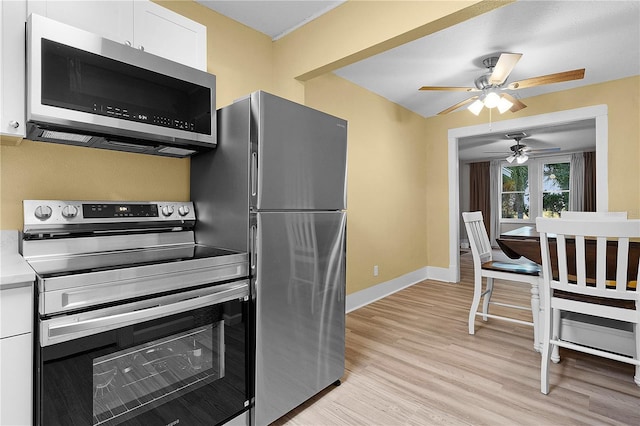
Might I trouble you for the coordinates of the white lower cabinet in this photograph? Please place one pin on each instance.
(16, 353)
(16, 334)
(16, 383)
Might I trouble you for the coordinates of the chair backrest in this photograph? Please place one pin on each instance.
(478, 237)
(593, 215)
(583, 237)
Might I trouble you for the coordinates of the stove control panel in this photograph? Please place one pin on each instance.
(47, 214)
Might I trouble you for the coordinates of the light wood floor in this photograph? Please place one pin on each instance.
(411, 361)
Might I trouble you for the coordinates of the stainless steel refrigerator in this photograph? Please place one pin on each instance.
(275, 187)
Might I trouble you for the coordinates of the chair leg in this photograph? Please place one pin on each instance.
(535, 313)
(487, 298)
(555, 355)
(477, 291)
(636, 332)
(544, 362)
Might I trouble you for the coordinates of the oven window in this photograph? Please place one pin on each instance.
(187, 368)
(130, 379)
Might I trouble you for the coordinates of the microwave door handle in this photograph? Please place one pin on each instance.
(64, 332)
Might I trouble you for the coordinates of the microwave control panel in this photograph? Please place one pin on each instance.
(157, 120)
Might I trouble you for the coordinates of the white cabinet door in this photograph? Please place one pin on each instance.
(16, 366)
(165, 33)
(141, 24)
(110, 19)
(16, 311)
(13, 15)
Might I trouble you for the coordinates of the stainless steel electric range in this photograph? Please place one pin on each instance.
(136, 322)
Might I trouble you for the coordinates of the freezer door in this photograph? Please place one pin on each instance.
(300, 308)
(301, 156)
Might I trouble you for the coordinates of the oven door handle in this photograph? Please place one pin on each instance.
(71, 327)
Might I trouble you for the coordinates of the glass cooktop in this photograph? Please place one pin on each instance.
(61, 265)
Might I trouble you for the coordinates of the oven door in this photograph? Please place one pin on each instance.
(175, 359)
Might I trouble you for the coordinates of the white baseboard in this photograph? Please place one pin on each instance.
(369, 295)
(447, 275)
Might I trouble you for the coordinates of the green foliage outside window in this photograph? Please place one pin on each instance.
(555, 192)
(515, 192)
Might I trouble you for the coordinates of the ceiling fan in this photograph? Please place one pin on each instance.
(520, 152)
(494, 81)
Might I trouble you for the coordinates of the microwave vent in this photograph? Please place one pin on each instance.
(70, 137)
(124, 145)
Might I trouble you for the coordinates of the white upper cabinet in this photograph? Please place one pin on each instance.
(140, 24)
(165, 33)
(12, 102)
(110, 19)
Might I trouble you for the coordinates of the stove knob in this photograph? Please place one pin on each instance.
(69, 211)
(43, 212)
(183, 210)
(167, 210)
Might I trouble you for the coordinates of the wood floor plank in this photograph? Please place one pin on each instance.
(410, 361)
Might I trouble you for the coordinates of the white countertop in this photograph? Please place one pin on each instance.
(14, 270)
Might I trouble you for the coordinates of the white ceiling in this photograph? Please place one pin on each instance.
(273, 18)
(554, 36)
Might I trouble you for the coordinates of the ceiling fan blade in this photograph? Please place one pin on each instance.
(458, 105)
(451, 89)
(541, 150)
(503, 67)
(517, 105)
(548, 79)
(526, 150)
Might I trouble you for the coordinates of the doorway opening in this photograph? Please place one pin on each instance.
(597, 113)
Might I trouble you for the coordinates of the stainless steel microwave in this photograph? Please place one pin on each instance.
(86, 90)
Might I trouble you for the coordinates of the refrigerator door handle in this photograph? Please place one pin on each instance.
(253, 235)
(254, 174)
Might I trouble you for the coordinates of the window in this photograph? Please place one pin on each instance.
(515, 192)
(555, 188)
(538, 188)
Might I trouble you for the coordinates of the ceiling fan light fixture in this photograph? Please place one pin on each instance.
(476, 107)
(504, 105)
(491, 100)
(522, 158)
(511, 158)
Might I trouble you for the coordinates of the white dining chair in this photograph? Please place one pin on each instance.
(590, 216)
(593, 215)
(513, 272)
(596, 296)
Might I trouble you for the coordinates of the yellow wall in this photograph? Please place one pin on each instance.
(397, 165)
(386, 197)
(621, 97)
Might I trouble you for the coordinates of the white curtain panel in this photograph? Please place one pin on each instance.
(495, 174)
(576, 183)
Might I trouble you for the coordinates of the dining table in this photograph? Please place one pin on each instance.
(525, 242)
